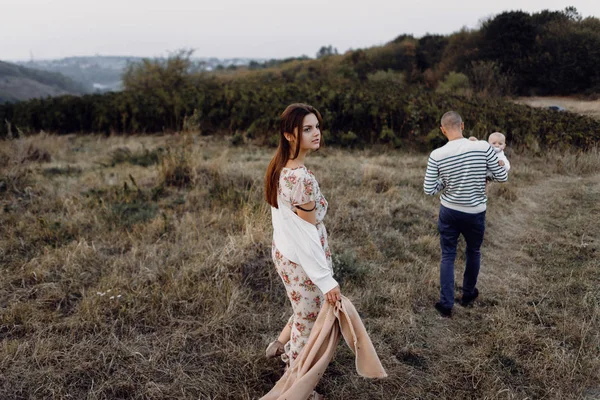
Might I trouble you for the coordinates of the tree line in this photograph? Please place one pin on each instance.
(392, 94)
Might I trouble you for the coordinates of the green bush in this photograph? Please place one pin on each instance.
(488, 80)
(454, 83)
(389, 76)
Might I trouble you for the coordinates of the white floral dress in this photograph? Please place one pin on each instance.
(299, 186)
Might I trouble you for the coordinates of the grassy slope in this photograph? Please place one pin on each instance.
(200, 298)
(19, 83)
(18, 88)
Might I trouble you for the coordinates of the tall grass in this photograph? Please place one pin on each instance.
(155, 280)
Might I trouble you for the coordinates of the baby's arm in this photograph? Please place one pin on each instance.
(503, 161)
(506, 165)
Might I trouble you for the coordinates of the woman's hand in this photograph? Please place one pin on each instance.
(333, 295)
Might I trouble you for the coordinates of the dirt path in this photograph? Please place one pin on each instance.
(536, 317)
(590, 108)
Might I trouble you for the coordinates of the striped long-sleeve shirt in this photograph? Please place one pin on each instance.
(459, 169)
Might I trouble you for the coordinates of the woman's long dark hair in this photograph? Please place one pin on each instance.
(291, 118)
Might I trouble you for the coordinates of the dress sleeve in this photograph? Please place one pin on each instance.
(303, 190)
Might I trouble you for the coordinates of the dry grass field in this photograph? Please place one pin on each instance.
(139, 267)
(589, 108)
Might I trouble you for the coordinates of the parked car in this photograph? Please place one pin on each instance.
(556, 108)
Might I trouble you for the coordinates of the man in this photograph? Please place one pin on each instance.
(459, 169)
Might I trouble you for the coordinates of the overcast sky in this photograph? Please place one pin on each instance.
(235, 28)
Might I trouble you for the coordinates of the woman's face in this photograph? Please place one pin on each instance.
(311, 133)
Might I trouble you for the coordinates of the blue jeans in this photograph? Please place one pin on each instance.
(451, 224)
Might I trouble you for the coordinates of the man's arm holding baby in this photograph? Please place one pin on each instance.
(495, 171)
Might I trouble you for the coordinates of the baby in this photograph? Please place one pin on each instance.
(498, 142)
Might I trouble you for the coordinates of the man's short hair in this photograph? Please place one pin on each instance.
(451, 120)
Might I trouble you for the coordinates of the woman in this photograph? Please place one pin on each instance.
(300, 250)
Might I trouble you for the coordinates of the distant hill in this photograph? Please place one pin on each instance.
(103, 73)
(96, 74)
(19, 83)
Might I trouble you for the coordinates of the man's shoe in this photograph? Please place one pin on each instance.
(469, 299)
(444, 312)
